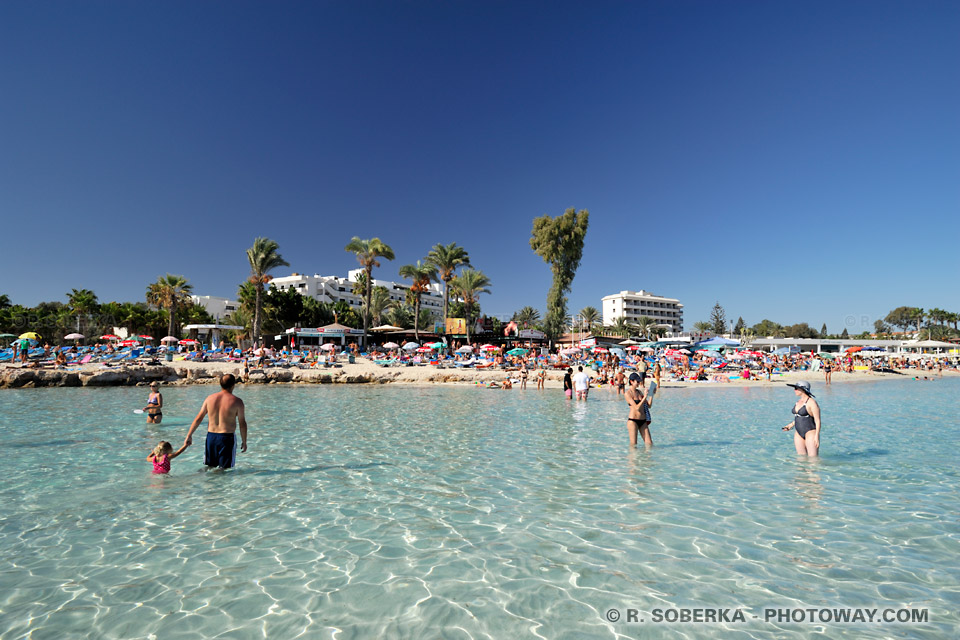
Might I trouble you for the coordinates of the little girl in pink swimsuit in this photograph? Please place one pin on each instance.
(161, 456)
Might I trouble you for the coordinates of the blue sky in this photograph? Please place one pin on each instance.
(791, 160)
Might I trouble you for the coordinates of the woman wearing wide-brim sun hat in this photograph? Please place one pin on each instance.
(806, 420)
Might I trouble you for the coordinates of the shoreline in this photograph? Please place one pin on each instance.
(365, 372)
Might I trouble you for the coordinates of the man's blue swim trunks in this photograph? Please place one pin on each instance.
(221, 450)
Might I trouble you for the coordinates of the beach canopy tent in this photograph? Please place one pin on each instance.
(325, 333)
(717, 342)
(930, 344)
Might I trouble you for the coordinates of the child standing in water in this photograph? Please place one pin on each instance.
(162, 455)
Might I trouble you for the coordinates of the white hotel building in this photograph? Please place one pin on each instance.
(633, 305)
(334, 289)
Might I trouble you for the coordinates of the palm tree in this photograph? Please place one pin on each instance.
(398, 315)
(359, 287)
(368, 253)
(591, 317)
(703, 327)
(468, 286)
(169, 292)
(918, 315)
(264, 256)
(420, 275)
(82, 302)
(447, 258)
(379, 302)
(644, 325)
(621, 327)
(526, 317)
(4, 301)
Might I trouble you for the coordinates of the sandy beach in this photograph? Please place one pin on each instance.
(363, 371)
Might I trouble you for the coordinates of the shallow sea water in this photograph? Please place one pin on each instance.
(460, 512)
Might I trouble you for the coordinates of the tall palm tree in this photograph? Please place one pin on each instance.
(621, 327)
(169, 292)
(468, 286)
(703, 327)
(359, 287)
(420, 275)
(591, 317)
(526, 317)
(368, 254)
(4, 301)
(379, 302)
(263, 256)
(82, 302)
(447, 258)
(644, 325)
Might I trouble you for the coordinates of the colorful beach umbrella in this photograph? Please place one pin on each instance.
(465, 349)
(410, 346)
(488, 347)
(435, 345)
(189, 341)
(424, 350)
(518, 352)
(129, 343)
(29, 335)
(326, 347)
(73, 336)
(169, 339)
(390, 345)
(109, 336)
(145, 337)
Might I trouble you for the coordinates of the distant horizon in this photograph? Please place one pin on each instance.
(795, 162)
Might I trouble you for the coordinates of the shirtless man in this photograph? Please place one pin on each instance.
(224, 411)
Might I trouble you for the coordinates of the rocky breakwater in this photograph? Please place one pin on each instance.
(17, 378)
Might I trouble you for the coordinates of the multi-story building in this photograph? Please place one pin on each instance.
(633, 305)
(334, 289)
(217, 307)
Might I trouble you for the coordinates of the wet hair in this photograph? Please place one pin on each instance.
(227, 381)
(162, 449)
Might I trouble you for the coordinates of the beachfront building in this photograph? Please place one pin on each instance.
(836, 345)
(633, 305)
(215, 306)
(333, 289)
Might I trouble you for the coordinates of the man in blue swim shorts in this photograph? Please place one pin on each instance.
(224, 411)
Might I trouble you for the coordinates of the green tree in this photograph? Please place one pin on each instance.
(718, 319)
(368, 254)
(621, 327)
(5, 301)
(823, 331)
(559, 242)
(316, 313)
(918, 315)
(703, 327)
(379, 302)
(468, 286)
(845, 335)
(264, 256)
(645, 325)
(82, 302)
(282, 309)
(739, 327)
(399, 315)
(881, 327)
(447, 258)
(591, 317)
(768, 328)
(526, 317)
(359, 287)
(169, 292)
(902, 317)
(420, 276)
(800, 330)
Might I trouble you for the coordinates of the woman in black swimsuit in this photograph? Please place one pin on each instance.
(806, 420)
(154, 406)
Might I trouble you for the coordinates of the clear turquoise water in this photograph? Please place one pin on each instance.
(402, 512)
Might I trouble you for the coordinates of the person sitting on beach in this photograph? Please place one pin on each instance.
(507, 383)
(161, 456)
(61, 360)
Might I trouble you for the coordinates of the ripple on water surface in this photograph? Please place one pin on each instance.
(365, 511)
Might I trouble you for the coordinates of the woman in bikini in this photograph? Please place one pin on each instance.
(638, 420)
(154, 408)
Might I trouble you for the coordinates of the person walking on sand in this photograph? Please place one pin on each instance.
(806, 420)
(225, 412)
